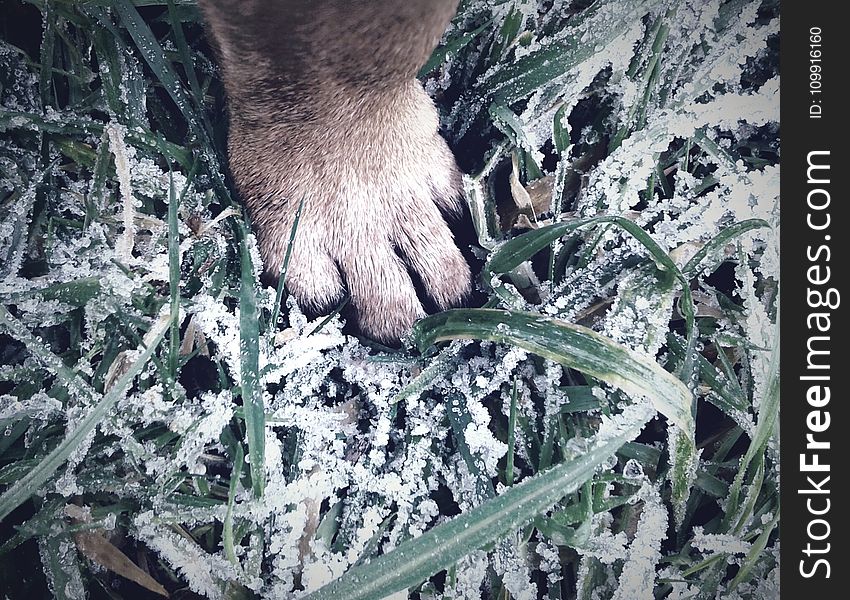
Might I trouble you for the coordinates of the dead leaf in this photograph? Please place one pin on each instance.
(95, 547)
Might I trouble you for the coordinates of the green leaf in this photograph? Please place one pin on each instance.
(62, 564)
(755, 553)
(154, 55)
(561, 133)
(227, 534)
(509, 459)
(514, 252)
(459, 420)
(284, 267)
(722, 395)
(173, 278)
(768, 421)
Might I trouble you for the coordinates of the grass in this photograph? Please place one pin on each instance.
(603, 426)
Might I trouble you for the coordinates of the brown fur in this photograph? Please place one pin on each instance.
(324, 107)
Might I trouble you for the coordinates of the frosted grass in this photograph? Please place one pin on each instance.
(242, 448)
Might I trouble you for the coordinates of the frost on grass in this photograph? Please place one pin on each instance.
(639, 570)
(655, 111)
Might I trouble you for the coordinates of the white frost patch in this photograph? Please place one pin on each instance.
(637, 581)
(719, 542)
(510, 562)
(123, 154)
(207, 574)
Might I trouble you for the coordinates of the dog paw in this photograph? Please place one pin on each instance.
(377, 183)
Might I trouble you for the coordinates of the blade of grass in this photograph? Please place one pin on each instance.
(188, 65)
(587, 351)
(174, 203)
(76, 292)
(62, 565)
(68, 123)
(509, 460)
(451, 48)
(435, 367)
(506, 35)
(694, 265)
(20, 227)
(768, 421)
(278, 298)
(755, 553)
(333, 313)
(249, 345)
(173, 279)
(227, 534)
(571, 345)
(154, 55)
(522, 77)
(459, 420)
(514, 252)
(659, 33)
(722, 393)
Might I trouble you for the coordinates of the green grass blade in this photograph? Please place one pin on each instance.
(659, 33)
(154, 55)
(507, 34)
(437, 367)
(768, 422)
(173, 279)
(76, 292)
(73, 384)
(252, 393)
(683, 469)
(451, 48)
(755, 552)
(72, 124)
(331, 316)
(722, 395)
(62, 565)
(11, 262)
(524, 76)
(571, 345)
(514, 252)
(281, 278)
(45, 81)
(227, 533)
(18, 493)
(188, 66)
(441, 547)
(459, 419)
(509, 459)
(695, 264)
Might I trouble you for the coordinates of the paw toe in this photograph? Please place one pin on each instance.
(382, 293)
(430, 249)
(314, 279)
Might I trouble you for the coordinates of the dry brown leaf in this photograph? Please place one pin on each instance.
(98, 550)
(95, 547)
